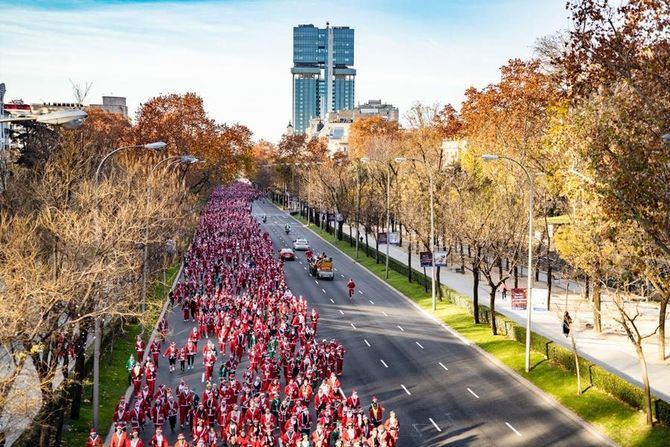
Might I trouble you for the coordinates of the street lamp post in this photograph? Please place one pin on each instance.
(157, 146)
(531, 199)
(388, 208)
(177, 159)
(431, 193)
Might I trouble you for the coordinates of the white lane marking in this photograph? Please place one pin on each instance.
(341, 275)
(331, 300)
(341, 312)
(372, 302)
(384, 363)
(352, 325)
(434, 424)
(445, 368)
(366, 342)
(385, 314)
(473, 393)
(323, 290)
(513, 429)
(335, 269)
(316, 281)
(360, 292)
(305, 268)
(406, 390)
(419, 345)
(300, 262)
(401, 329)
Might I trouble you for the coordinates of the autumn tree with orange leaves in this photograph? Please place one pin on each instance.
(366, 128)
(182, 122)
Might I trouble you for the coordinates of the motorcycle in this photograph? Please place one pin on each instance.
(287, 230)
(265, 219)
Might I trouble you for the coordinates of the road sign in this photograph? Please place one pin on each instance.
(519, 300)
(441, 258)
(394, 238)
(540, 299)
(426, 258)
(381, 238)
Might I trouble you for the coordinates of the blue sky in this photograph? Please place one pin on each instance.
(237, 54)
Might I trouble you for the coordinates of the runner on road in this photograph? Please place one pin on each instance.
(351, 285)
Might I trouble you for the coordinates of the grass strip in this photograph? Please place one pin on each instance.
(623, 424)
(113, 373)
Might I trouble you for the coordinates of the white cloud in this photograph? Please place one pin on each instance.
(238, 55)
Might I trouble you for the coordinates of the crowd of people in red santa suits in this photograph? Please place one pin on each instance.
(268, 381)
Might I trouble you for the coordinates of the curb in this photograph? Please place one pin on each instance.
(493, 360)
(129, 390)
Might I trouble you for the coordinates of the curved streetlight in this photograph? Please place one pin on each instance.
(431, 190)
(171, 161)
(388, 206)
(156, 146)
(529, 298)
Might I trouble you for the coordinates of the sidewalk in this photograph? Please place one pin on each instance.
(610, 349)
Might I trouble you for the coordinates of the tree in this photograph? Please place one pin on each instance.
(616, 65)
(584, 245)
(448, 121)
(182, 122)
(623, 279)
(63, 265)
(365, 128)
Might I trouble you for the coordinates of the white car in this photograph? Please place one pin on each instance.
(301, 244)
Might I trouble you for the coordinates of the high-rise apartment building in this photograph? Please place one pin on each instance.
(323, 77)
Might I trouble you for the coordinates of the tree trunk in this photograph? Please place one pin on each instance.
(437, 282)
(462, 260)
(45, 435)
(587, 287)
(367, 245)
(661, 327)
(645, 381)
(574, 351)
(377, 247)
(500, 268)
(549, 283)
(60, 419)
(597, 320)
(475, 291)
(76, 387)
(516, 276)
(492, 308)
(409, 259)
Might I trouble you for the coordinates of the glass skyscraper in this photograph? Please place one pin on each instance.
(323, 77)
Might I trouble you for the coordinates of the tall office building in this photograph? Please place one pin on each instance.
(323, 77)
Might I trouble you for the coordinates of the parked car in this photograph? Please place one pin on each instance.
(287, 254)
(301, 244)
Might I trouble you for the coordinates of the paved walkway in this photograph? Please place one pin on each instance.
(610, 349)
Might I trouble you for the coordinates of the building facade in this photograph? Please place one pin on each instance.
(335, 128)
(322, 72)
(113, 104)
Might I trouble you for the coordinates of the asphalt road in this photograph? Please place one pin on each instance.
(443, 391)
